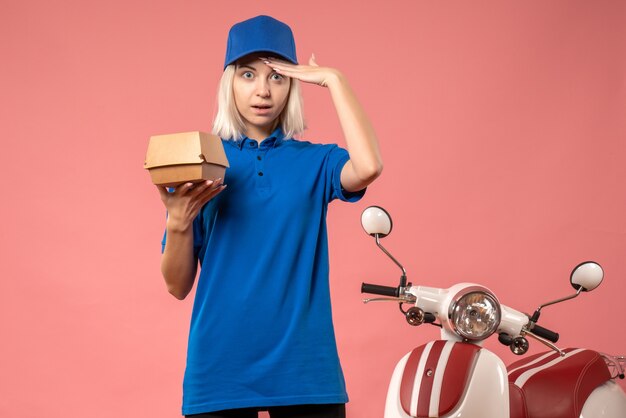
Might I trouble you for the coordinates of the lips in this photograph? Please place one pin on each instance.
(262, 110)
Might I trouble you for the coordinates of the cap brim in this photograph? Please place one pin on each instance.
(256, 51)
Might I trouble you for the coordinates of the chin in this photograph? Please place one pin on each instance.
(262, 122)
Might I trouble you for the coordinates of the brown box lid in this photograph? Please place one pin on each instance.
(185, 148)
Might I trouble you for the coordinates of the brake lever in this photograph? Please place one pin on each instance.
(545, 342)
(401, 299)
(368, 300)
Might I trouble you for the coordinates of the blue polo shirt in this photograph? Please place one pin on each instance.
(261, 329)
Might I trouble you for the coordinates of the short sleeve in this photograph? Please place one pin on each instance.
(337, 158)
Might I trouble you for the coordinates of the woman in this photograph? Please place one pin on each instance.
(261, 335)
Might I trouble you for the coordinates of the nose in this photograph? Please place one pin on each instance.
(262, 87)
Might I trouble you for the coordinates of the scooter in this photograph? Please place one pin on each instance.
(457, 377)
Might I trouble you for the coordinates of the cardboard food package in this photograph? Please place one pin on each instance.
(185, 157)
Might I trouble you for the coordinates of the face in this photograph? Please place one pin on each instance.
(260, 95)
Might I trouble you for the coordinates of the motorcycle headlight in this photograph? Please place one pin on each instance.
(475, 315)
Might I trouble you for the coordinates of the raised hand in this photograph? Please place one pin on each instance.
(311, 73)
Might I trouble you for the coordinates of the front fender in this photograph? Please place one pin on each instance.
(448, 379)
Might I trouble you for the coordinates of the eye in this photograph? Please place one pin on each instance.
(276, 77)
(247, 74)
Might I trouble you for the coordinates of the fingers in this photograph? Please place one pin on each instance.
(277, 61)
(182, 189)
(288, 70)
(312, 73)
(210, 194)
(190, 188)
(281, 67)
(206, 185)
(273, 62)
(206, 190)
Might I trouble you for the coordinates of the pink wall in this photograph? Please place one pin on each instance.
(503, 135)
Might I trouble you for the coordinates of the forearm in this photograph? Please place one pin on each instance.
(365, 162)
(178, 263)
(358, 131)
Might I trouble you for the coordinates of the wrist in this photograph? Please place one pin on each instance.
(174, 225)
(335, 79)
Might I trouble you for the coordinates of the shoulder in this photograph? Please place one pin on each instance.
(328, 153)
(309, 146)
(230, 142)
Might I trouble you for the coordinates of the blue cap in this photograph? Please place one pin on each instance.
(260, 34)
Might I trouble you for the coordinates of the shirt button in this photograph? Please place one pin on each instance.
(260, 173)
(258, 157)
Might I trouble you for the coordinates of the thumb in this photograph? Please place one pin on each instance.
(163, 191)
(312, 61)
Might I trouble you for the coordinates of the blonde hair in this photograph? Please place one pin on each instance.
(228, 123)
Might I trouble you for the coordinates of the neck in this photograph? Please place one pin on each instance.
(258, 133)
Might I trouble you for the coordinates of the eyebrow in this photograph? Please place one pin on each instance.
(240, 66)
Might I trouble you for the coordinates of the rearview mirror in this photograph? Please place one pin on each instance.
(376, 221)
(587, 275)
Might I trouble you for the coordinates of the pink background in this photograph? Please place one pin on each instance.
(502, 127)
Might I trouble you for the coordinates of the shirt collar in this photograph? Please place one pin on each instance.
(276, 137)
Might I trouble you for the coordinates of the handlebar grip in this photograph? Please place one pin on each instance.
(380, 290)
(429, 318)
(545, 333)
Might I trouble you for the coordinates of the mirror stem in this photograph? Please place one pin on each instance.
(403, 278)
(535, 316)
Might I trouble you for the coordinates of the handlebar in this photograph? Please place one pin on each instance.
(394, 292)
(380, 290)
(545, 333)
